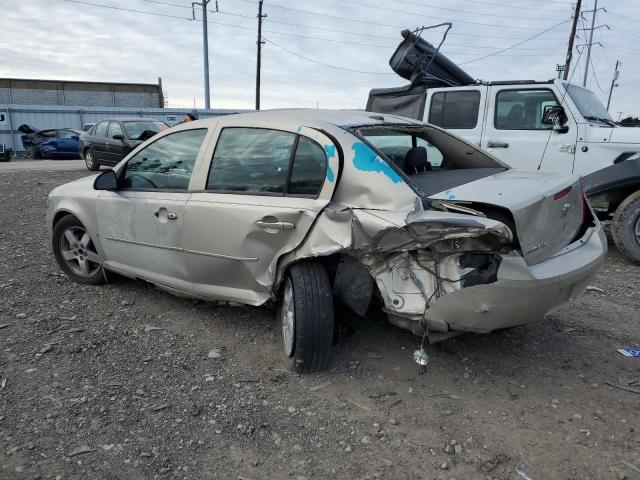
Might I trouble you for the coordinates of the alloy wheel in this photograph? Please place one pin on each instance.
(78, 251)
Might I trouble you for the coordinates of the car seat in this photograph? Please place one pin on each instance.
(415, 161)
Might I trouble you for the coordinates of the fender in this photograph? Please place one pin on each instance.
(618, 177)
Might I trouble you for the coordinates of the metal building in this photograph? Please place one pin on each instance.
(87, 94)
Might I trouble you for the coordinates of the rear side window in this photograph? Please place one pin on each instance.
(264, 161)
(457, 110)
(308, 170)
(101, 129)
(166, 164)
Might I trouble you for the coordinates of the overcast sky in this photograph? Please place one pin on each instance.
(56, 39)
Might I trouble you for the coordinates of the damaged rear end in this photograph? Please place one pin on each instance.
(485, 248)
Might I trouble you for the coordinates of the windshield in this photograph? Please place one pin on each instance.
(135, 129)
(589, 106)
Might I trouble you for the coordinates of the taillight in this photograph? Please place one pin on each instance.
(562, 193)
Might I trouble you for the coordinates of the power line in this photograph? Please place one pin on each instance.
(469, 12)
(112, 7)
(367, 22)
(325, 64)
(517, 44)
(502, 5)
(416, 14)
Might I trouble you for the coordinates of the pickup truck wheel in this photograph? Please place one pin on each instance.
(625, 227)
(75, 252)
(90, 162)
(306, 317)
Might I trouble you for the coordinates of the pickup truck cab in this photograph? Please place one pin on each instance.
(554, 126)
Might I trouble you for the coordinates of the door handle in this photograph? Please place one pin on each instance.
(275, 225)
(495, 144)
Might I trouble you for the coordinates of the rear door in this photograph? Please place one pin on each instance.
(262, 191)
(515, 133)
(459, 110)
(141, 223)
(99, 141)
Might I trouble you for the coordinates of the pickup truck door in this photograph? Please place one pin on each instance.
(515, 134)
(460, 110)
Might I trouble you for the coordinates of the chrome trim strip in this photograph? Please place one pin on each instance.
(226, 257)
(133, 242)
(178, 249)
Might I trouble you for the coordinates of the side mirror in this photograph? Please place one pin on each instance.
(117, 136)
(556, 116)
(106, 181)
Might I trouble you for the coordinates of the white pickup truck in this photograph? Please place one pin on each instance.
(552, 126)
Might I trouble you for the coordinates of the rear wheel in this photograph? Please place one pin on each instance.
(625, 227)
(90, 161)
(75, 252)
(306, 317)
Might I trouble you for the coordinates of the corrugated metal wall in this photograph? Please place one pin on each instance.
(73, 93)
(43, 117)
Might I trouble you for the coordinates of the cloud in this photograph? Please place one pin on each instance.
(62, 40)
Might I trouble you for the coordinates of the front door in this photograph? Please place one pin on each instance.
(117, 147)
(141, 224)
(264, 189)
(514, 131)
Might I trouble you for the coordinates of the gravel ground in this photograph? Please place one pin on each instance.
(126, 381)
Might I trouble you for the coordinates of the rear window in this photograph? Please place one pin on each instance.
(456, 110)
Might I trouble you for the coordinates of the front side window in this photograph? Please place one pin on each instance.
(101, 129)
(457, 110)
(114, 129)
(67, 134)
(135, 129)
(522, 109)
(165, 164)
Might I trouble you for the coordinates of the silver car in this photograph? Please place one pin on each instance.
(308, 207)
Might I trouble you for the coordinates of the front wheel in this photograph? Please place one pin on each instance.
(625, 227)
(75, 251)
(90, 161)
(306, 317)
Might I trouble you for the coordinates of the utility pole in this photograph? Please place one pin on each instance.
(616, 72)
(572, 36)
(205, 47)
(259, 43)
(593, 26)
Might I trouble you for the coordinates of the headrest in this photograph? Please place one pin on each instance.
(416, 161)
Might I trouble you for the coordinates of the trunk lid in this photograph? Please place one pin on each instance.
(547, 208)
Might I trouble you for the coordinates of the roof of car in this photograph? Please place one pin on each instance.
(339, 118)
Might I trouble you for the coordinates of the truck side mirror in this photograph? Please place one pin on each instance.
(106, 181)
(556, 116)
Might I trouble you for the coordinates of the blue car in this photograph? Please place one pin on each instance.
(53, 143)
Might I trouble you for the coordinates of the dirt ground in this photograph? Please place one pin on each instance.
(125, 381)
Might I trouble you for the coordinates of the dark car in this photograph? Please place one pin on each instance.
(109, 140)
(51, 143)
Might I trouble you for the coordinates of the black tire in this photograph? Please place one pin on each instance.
(60, 244)
(309, 346)
(625, 227)
(89, 160)
(30, 153)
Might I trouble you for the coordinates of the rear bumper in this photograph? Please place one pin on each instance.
(522, 293)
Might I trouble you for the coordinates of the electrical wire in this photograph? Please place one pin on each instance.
(336, 67)
(112, 7)
(502, 5)
(457, 10)
(517, 44)
(416, 14)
